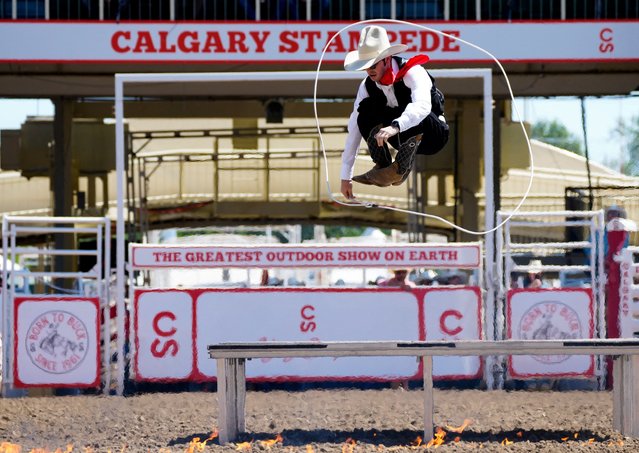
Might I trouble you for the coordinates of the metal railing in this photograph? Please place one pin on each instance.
(58, 280)
(310, 10)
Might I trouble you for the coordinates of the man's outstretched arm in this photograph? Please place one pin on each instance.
(347, 189)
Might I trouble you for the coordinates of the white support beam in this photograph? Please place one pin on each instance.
(311, 76)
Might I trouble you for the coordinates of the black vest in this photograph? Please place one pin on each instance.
(402, 92)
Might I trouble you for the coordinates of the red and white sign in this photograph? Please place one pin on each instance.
(310, 315)
(454, 314)
(282, 42)
(163, 335)
(171, 337)
(550, 314)
(466, 255)
(57, 342)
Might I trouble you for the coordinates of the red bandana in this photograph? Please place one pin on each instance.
(390, 77)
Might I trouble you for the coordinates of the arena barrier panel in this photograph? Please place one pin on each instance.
(524, 313)
(628, 293)
(231, 358)
(55, 325)
(171, 327)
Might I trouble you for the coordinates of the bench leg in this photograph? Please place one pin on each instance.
(427, 370)
(231, 397)
(625, 409)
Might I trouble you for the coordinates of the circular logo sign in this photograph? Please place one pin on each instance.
(57, 342)
(550, 320)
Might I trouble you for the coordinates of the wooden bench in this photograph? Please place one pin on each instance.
(231, 378)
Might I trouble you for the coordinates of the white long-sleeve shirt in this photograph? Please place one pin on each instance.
(419, 83)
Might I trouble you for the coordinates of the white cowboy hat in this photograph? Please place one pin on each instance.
(535, 266)
(373, 46)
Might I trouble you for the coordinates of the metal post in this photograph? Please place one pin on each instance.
(107, 295)
(63, 183)
(119, 229)
(4, 313)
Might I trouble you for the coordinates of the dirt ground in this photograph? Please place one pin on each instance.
(315, 421)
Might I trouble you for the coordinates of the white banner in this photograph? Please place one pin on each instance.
(57, 342)
(466, 255)
(302, 42)
(298, 315)
(550, 314)
(171, 339)
(453, 314)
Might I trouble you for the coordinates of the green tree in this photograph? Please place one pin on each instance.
(628, 132)
(556, 134)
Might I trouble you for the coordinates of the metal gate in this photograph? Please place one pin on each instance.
(570, 265)
(46, 282)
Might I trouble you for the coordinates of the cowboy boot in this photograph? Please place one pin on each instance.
(401, 181)
(406, 157)
(364, 178)
(380, 155)
(384, 177)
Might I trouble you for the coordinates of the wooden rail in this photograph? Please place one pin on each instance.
(231, 377)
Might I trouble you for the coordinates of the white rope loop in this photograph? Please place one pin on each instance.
(368, 204)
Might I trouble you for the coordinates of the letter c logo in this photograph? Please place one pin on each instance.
(443, 322)
(306, 315)
(606, 34)
(156, 324)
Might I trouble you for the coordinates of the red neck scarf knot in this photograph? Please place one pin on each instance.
(390, 77)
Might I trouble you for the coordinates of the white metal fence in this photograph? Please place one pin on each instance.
(574, 262)
(48, 282)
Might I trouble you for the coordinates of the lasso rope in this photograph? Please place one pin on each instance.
(369, 204)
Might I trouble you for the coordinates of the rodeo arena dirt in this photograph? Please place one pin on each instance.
(316, 421)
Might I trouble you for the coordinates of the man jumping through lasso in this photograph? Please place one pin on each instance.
(396, 103)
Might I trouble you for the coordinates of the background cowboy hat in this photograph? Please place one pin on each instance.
(373, 46)
(535, 266)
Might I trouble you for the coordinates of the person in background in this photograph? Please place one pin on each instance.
(534, 279)
(611, 213)
(398, 280)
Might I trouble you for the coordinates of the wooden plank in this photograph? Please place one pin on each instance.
(424, 348)
(626, 398)
(617, 392)
(231, 394)
(631, 388)
(429, 406)
(232, 381)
